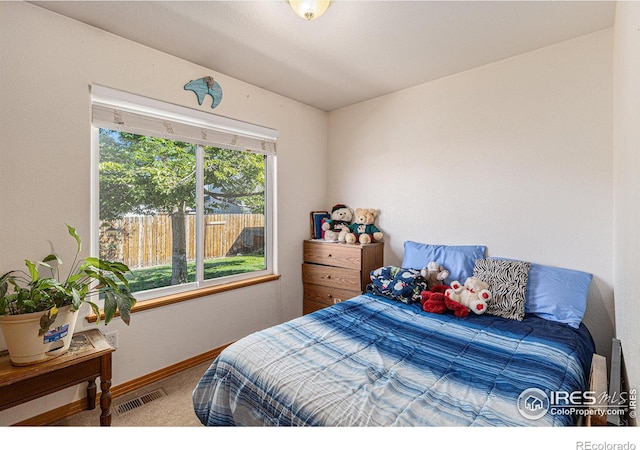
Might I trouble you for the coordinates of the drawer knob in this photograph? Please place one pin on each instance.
(337, 300)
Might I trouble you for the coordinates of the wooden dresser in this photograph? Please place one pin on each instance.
(333, 272)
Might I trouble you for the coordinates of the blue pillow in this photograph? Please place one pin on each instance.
(459, 260)
(557, 294)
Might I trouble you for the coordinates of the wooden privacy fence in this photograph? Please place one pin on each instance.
(146, 241)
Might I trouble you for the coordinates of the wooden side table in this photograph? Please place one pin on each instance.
(88, 357)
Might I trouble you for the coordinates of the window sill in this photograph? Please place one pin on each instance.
(190, 295)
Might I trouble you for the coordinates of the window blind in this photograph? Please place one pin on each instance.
(122, 111)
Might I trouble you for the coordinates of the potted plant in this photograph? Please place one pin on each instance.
(45, 307)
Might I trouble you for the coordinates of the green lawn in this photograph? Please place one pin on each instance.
(160, 276)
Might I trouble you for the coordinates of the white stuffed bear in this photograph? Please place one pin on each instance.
(337, 227)
(474, 295)
(434, 274)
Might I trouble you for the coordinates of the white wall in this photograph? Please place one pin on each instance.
(626, 138)
(48, 63)
(515, 155)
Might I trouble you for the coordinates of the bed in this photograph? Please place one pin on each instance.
(380, 360)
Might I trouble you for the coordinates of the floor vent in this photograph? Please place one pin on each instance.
(137, 402)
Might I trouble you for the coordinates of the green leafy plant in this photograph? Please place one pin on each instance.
(23, 292)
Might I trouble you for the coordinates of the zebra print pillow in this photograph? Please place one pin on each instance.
(507, 283)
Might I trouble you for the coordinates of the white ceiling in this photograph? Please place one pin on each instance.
(359, 49)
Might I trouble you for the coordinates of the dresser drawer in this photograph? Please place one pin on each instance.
(327, 295)
(309, 306)
(331, 254)
(331, 276)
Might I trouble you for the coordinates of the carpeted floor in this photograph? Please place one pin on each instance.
(166, 403)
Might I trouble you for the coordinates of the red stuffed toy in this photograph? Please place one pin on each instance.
(435, 301)
(459, 310)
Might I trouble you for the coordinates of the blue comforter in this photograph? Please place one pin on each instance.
(371, 361)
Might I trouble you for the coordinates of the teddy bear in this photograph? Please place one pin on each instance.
(363, 229)
(435, 301)
(473, 295)
(434, 274)
(337, 227)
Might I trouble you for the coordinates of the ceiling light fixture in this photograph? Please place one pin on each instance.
(309, 9)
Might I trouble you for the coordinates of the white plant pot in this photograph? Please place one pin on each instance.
(27, 347)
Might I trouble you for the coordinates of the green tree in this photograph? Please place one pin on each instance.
(148, 175)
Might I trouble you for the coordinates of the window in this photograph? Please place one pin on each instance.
(183, 197)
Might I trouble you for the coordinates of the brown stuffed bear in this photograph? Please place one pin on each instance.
(434, 273)
(362, 229)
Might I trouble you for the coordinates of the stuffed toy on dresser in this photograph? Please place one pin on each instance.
(337, 227)
(363, 229)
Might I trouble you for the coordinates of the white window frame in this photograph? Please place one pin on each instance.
(122, 111)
